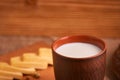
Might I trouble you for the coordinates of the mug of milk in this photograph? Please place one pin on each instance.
(79, 57)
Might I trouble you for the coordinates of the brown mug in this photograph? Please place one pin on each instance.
(88, 68)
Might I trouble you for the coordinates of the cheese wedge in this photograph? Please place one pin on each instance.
(7, 67)
(16, 61)
(6, 78)
(17, 75)
(46, 53)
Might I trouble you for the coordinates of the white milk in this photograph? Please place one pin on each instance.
(78, 50)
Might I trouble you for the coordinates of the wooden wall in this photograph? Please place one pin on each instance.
(60, 17)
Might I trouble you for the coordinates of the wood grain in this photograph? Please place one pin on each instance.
(60, 17)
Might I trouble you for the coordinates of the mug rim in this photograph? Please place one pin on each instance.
(84, 58)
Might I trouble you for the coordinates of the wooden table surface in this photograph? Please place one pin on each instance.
(48, 74)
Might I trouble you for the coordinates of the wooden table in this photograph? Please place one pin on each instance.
(60, 17)
(48, 73)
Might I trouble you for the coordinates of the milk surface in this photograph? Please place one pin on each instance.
(78, 50)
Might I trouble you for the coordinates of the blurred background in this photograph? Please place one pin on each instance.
(24, 22)
(60, 17)
(27, 21)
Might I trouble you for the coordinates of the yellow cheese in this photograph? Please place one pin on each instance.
(48, 59)
(7, 67)
(17, 75)
(29, 54)
(6, 78)
(25, 64)
(33, 58)
(15, 61)
(46, 53)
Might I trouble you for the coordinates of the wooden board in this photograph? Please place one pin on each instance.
(60, 17)
(45, 74)
(48, 74)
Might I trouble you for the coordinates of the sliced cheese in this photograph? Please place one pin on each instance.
(25, 64)
(46, 53)
(7, 67)
(29, 54)
(6, 78)
(16, 61)
(17, 75)
(48, 59)
(33, 58)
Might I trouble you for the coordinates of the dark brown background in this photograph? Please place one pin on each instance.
(60, 17)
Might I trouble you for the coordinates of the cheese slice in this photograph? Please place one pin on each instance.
(7, 67)
(36, 65)
(33, 58)
(16, 61)
(6, 78)
(17, 75)
(29, 54)
(48, 59)
(46, 53)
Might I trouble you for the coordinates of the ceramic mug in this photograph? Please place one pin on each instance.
(88, 68)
